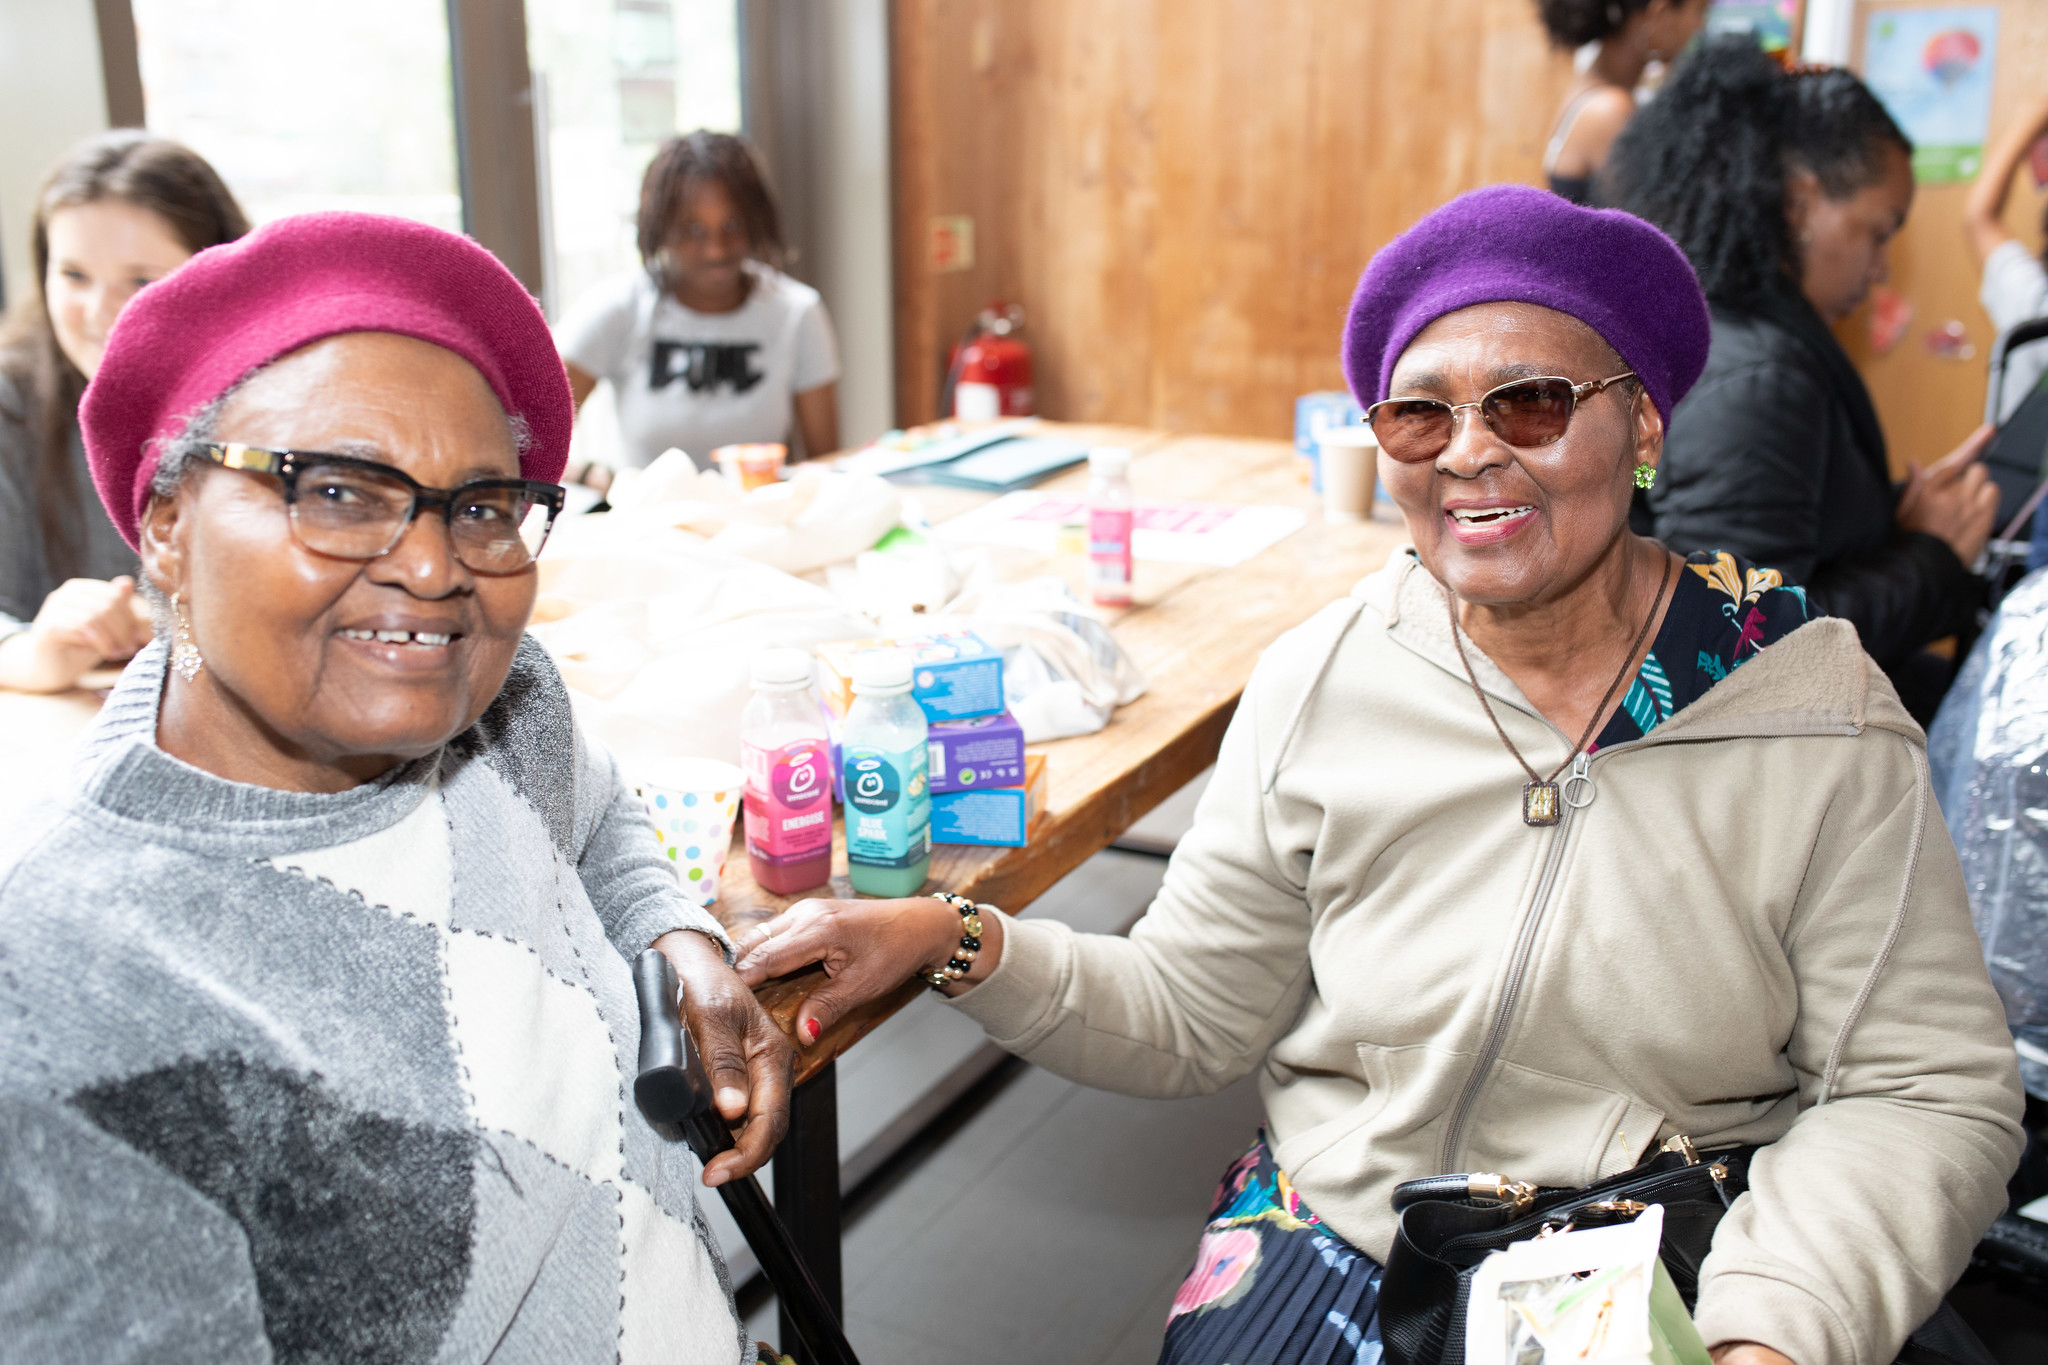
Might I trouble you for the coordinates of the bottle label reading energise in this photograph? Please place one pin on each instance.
(788, 802)
(888, 808)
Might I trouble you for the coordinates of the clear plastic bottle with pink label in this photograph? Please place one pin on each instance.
(1110, 517)
(787, 756)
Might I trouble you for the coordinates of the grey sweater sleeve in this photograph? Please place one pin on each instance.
(633, 889)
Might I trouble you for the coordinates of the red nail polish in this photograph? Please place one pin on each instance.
(812, 1029)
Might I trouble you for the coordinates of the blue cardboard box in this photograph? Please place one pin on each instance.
(991, 816)
(987, 751)
(955, 675)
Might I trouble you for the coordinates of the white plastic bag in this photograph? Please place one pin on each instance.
(654, 631)
(818, 516)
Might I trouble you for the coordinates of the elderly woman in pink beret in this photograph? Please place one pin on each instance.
(1543, 850)
(316, 1021)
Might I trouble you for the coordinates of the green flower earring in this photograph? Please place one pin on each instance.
(1646, 474)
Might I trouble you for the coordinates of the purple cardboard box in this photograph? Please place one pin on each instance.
(987, 751)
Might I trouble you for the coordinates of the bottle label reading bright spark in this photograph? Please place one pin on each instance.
(888, 806)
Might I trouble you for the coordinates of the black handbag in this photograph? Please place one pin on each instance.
(1450, 1223)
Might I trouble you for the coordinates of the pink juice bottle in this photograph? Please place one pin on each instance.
(788, 761)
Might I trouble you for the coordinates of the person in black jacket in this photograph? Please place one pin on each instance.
(1784, 189)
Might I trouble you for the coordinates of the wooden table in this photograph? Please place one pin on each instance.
(1195, 632)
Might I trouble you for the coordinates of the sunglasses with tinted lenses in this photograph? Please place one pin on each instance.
(1525, 413)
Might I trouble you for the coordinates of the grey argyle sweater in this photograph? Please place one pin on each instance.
(342, 1078)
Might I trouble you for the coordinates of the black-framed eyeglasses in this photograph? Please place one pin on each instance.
(1523, 412)
(357, 509)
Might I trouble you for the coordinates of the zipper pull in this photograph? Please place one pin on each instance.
(1581, 796)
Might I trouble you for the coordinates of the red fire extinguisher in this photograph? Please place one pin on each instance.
(989, 375)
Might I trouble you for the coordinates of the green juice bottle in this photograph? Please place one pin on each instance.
(882, 767)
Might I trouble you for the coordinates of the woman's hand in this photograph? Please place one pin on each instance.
(1747, 1353)
(1954, 499)
(745, 1054)
(82, 624)
(868, 948)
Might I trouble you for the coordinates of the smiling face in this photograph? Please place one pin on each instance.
(319, 672)
(101, 253)
(708, 247)
(1503, 526)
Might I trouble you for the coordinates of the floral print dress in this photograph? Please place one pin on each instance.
(1271, 1285)
(1722, 612)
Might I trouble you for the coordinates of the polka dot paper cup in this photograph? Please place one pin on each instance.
(692, 802)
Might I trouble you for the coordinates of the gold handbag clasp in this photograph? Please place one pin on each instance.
(1518, 1194)
(1682, 1145)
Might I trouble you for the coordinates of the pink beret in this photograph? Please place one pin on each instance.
(187, 338)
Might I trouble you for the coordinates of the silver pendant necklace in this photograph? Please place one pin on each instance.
(1542, 803)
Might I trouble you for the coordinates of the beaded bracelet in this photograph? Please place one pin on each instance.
(962, 960)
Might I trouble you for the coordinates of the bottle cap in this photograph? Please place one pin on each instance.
(881, 670)
(1109, 460)
(779, 670)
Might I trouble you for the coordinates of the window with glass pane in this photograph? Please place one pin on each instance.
(614, 78)
(309, 104)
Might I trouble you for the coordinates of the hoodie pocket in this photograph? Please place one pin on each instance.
(1301, 1104)
(1554, 1130)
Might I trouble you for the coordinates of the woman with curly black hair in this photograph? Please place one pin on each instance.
(1631, 34)
(1785, 189)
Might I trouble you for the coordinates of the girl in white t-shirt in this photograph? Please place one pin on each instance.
(709, 344)
(2015, 286)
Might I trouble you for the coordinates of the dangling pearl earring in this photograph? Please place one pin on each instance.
(184, 654)
(1646, 474)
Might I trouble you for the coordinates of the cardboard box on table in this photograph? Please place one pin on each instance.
(998, 817)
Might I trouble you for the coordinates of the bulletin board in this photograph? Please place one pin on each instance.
(1929, 359)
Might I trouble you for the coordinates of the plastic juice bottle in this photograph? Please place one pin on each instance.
(788, 761)
(1109, 526)
(882, 764)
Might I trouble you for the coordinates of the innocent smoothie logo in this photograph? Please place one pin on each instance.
(873, 786)
(799, 776)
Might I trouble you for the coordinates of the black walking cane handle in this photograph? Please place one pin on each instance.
(673, 1089)
(671, 1086)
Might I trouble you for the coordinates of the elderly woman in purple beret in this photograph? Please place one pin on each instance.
(317, 1029)
(1543, 849)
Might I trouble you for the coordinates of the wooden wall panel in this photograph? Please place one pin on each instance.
(1181, 193)
(1927, 403)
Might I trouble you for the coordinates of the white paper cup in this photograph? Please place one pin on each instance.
(1350, 459)
(692, 802)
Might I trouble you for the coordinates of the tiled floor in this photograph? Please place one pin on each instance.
(1053, 1227)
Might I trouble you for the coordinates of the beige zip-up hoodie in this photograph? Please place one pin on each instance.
(1752, 929)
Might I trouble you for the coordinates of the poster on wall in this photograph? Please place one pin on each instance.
(1932, 69)
(1774, 22)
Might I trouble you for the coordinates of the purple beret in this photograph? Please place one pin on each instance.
(1518, 244)
(185, 339)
